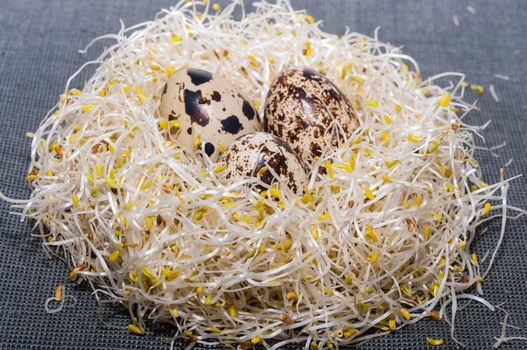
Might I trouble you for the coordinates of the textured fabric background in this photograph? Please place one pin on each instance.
(39, 45)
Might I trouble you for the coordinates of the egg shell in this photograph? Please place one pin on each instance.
(301, 107)
(207, 106)
(250, 154)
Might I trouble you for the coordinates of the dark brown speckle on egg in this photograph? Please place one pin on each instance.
(197, 114)
(209, 149)
(248, 110)
(216, 96)
(199, 76)
(232, 124)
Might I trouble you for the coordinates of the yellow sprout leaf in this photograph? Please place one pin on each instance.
(405, 314)
(115, 255)
(329, 168)
(447, 172)
(149, 274)
(232, 310)
(72, 138)
(385, 135)
(406, 290)
(373, 257)
(219, 168)
(486, 209)
(435, 146)
(372, 103)
(197, 140)
(358, 80)
(256, 340)
(414, 138)
(345, 167)
(86, 108)
(426, 232)
(445, 101)
(308, 50)
(391, 163)
(99, 169)
(174, 312)
(136, 329)
(314, 232)
(168, 71)
(174, 123)
(75, 200)
(435, 342)
(324, 216)
(122, 219)
(172, 275)
(163, 124)
(275, 192)
(386, 178)
(370, 234)
(349, 332)
(369, 194)
(213, 330)
(175, 38)
(146, 185)
(477, 88)
(111, 183)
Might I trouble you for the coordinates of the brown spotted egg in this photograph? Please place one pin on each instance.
(211, 113)
(301, 108)
(254, 154)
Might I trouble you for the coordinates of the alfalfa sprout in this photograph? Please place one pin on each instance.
(379, 241)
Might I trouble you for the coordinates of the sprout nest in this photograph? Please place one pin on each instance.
(378, 240)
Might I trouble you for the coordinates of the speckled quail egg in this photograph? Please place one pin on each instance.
(254, 154)
(211, 113)
(301, 108)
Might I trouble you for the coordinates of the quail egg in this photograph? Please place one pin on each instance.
(211, 113)
(304, 108)
(256, 154)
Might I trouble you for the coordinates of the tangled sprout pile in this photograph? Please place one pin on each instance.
(379, 239)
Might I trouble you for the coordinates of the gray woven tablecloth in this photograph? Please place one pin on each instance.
(39, 43)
